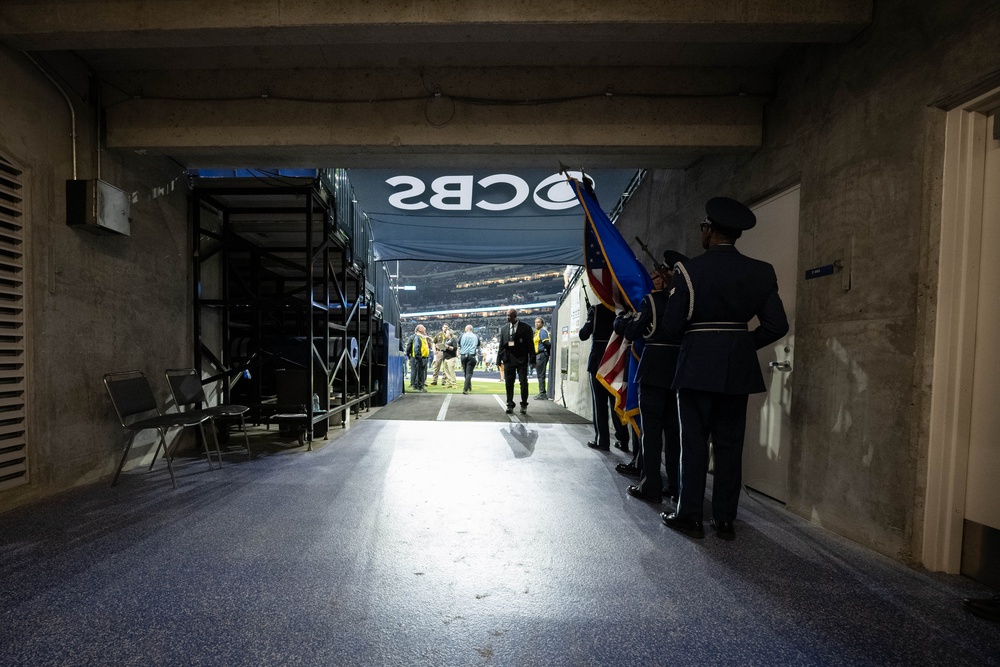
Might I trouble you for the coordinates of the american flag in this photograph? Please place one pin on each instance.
(613, 371)
(610, 261)
(600, 278)
(617, 374)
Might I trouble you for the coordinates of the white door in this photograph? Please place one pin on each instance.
(768, 435)
(982, 502)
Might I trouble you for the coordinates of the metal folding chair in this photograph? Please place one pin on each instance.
(132, 397)
(187, 391)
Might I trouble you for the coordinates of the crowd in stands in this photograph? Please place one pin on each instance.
(442, 286)
(459, 301)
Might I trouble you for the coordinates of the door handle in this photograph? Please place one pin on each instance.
(783, 366)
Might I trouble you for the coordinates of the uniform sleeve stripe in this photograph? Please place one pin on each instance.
(651, 328)
(687, 279)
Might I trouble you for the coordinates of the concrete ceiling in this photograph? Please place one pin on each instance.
(228, 83)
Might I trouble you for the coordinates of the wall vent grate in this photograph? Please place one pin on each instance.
(13, 441)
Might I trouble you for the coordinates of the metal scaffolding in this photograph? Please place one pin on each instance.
(283, 315)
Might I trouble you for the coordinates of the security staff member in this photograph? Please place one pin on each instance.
(419, 351)
(657, 401)
(713, 298)
(543, 347)
(600, 320)
(516, 351)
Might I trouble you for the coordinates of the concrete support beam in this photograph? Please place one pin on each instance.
(117, 24)
(316, 117)
(615, 131)
(501, 85)
(318, 83)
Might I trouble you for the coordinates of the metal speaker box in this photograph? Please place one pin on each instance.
(98, 207)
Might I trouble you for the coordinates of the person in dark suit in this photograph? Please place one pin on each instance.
(657, 401)
(713, 297)
(516, 351)
(599, 324)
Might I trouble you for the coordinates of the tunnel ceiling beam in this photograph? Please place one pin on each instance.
(313, 83)
(97, 24)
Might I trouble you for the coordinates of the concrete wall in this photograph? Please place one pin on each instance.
(855, 126)
(94, 304)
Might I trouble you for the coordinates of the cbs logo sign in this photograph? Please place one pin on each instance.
(456, 193)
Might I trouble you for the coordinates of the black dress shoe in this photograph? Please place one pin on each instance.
(621, 445)
(628, 470)
(988, 608)
(510, 411)
(524, 409)
(690, 527)
(594, 445)
(634, 491)
(724, 529)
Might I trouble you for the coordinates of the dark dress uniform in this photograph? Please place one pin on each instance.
(657, 400)
(713, 297)
(599, 324)
(620, 323)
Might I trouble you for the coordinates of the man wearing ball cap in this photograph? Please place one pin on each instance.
(713, 297)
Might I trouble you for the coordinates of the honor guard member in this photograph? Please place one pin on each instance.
(634, 466)
(600, 320)
(713, 297)
(657, 400)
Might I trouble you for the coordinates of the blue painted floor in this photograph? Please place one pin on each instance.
(445, 543)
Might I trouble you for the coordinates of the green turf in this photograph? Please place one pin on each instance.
(481, 387)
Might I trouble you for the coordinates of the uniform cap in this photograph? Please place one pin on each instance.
(729, 213)
(671, 257)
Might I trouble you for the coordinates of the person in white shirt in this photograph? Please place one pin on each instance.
(468, 346)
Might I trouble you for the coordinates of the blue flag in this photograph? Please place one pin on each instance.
(617, 279)
(614, 256)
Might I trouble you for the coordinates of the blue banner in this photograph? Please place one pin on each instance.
(524, 216)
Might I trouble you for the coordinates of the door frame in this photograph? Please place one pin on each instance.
(779, 193)
(955, 332)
